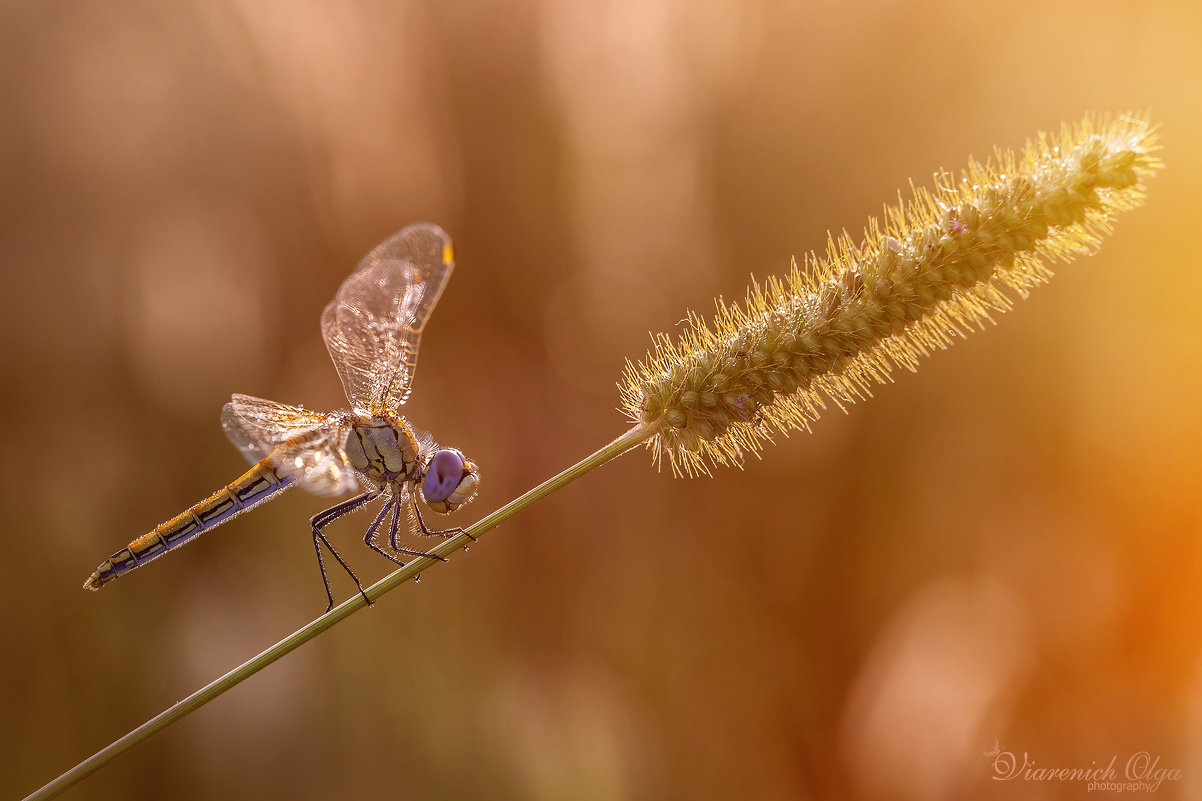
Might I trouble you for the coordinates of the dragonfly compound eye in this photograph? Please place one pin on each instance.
(443, 474)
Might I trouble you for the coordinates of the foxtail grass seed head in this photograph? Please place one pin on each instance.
(934, 269)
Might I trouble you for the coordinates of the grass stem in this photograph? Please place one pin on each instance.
(622, 444)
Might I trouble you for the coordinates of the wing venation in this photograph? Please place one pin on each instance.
(297, 442)
(373, 326)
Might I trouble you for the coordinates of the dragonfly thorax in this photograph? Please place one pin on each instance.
(385, 450)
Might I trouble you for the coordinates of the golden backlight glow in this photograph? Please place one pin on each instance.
(1005, 547)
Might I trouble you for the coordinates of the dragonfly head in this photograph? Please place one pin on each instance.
(451, 480)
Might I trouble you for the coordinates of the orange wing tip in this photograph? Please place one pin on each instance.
(448, 253)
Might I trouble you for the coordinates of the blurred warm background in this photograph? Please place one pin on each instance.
(1004, 548)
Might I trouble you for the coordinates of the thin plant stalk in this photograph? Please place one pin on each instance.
(633, 437)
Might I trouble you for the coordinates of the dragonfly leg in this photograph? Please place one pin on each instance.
(395, 545)
(323, 519)
(396, 524)
(445, 533)
(369, 539)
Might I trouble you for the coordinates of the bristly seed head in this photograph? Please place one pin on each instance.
(934, 270)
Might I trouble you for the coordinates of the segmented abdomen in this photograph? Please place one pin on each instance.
(250, 489)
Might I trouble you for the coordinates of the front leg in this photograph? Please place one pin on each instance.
(445, 533)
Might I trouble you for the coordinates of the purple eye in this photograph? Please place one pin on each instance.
(443, 475)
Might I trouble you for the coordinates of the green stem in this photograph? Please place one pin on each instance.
(622, 444)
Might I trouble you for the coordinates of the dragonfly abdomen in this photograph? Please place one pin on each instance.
(248, 490)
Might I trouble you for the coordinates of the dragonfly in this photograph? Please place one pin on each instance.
(373, 329)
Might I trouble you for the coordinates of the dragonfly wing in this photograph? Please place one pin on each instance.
(297, 442)
(373, 326)
(257, 426)
(317, 461)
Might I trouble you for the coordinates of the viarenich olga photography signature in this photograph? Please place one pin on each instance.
(1140, 772)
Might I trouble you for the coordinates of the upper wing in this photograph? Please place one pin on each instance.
(298, 442)
(373, 327)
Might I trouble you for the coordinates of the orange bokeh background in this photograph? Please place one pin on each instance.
(1003, 548)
